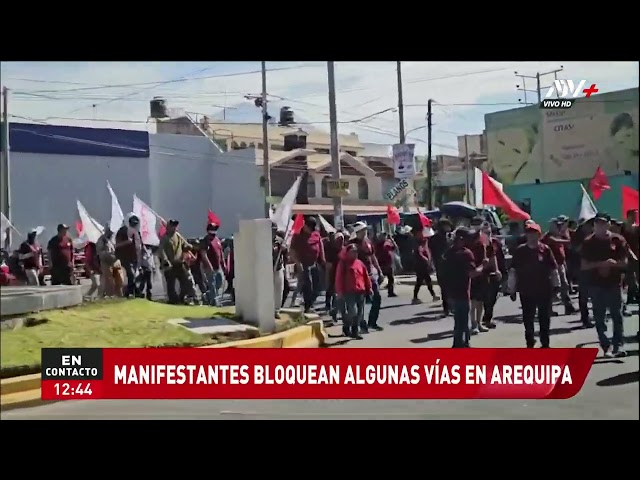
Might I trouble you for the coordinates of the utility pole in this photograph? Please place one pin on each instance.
(429, 166)
(537, 77)
(338, 222)
(400, 103)
(5, 164)
(265, 144)
(466, 169)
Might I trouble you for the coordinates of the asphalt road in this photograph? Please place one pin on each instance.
(610, 392)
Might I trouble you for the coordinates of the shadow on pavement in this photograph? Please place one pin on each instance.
(622, 379)
(513, 319)
(432, 337)
(415, 320)
(337, 343)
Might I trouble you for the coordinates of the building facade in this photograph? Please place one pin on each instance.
(178, 176)
(295, 151)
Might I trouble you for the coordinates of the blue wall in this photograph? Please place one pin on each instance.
(549, 200)
(64, 140)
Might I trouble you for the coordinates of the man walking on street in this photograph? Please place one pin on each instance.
(557, 239)
(534, 275)
(110, 267)
(129, 251)
(213, 263)
(496, 269)
(460, 267)
(604, 258)
(438, 245)
(308, 251)
(31, 256)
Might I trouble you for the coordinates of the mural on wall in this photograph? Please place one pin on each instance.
(528, 143)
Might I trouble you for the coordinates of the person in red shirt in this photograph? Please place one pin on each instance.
(308, 251)
(60, 249)
(385, 250)
(495, 270)
(480, 246)
(423, 266)
(332, 247)
(213, 263)
(534, 274)
(604, 259)
(367, 256)
(460, 267)
(31, 256)
(558, 240)
(353, 285)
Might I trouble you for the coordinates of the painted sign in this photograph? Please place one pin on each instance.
(404, 163)
(401, 186)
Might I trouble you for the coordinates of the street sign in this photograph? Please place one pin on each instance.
(397, 190)
(338, 188)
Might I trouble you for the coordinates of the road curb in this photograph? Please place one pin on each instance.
(24, 392)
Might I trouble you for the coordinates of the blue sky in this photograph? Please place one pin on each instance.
(116, 94)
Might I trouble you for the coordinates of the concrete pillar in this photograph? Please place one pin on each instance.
(254, 274)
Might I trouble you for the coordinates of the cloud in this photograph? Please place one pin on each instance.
(363, 88)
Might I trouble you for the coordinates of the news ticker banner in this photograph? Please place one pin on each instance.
(424, 373)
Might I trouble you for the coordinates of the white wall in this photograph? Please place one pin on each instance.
(182, 178)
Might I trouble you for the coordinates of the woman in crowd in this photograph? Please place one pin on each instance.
(353, 285)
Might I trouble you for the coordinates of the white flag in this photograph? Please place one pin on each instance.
(282, 216)
(148, 221)
(587, 209)
(117, 217)
(326, 226)
(91, 229)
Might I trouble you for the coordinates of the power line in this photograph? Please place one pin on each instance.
(158, 82)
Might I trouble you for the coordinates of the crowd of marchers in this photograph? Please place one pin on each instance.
(597, 257)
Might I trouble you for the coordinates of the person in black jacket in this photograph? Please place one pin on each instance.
(439, 244)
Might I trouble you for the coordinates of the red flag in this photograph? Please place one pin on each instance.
(493, 195)
(79, 227)
(298, 223)
(393, 217)
(598, 183)
(212, 218)
(629, 201)
(424, 220)
(163, 229)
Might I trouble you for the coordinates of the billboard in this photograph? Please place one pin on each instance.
(529, 143)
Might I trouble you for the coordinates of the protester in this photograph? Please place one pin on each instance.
(439, 244)
(353, 285)
(93, 269)
(604, 257)
(557, 239)
(214, 265)
(190, 261)
(584, 230)
(30, 254)
(129, 251)
(111, 275)
(480, 246)
(231, 272)
(61, 254)
(385, 250)
(279, 255)
(332, 247)
(458, 268)
(197, 267)
(631, 234)
(496, 269)
(171, 254)
(308, 252)
(423, 267)
(534, 275)
(366, 255)
(147, 271)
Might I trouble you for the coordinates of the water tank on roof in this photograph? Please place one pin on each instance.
(158, 108)
(286, 117)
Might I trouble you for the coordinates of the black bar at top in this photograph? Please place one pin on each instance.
(71, 364)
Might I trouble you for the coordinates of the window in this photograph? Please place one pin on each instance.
(234, 145)
(324, 187)
(323, 150)
(243, 145)
(311, 186)
(260, 146)
(363, 189)
(252, 145)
